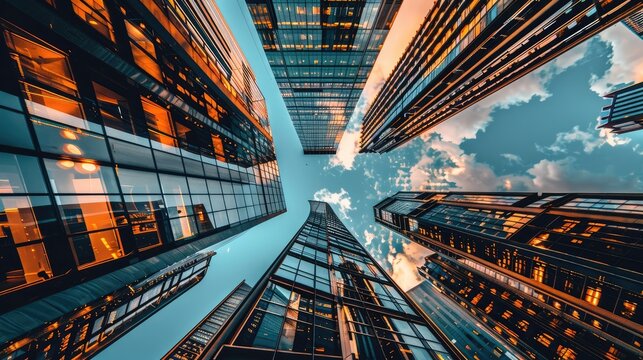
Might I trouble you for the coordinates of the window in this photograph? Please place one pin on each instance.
(70, 141)
(94, 13)
(593, 295)
(95, 219)
(145, 214)
(73, 177)
(138, 182)
(49, 89)
(24, 258)
(113, 109)
(20, 174)
(143, 51)
(159, 123)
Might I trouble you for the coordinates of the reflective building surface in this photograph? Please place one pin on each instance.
(635, 23)
(467, 50)
(326, 298)
(197, 343)
(625, 113)
(473, 339)
(136, 130)
(567, 264)
(321, 53)
(84, 331)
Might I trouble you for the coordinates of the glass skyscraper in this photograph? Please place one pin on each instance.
(83, 331)
(467, 50)
(466, 332)
(326, 298)
(321, 53)
(197, 344)
(131, 130)
(625, 112)
(569, 265)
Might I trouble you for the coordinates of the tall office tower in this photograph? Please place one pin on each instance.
(198, 342)
(509, 309)
(325, 297)
(82, 332)
(321, 53)
(635, 23)
(468, 50)
(625, 113)
(577, 256)
(136, 129)
(468, 334)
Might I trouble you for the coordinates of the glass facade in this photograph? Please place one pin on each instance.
(326, 298)
(126, 139)
(471, 338)
(574, 252)
(86, 330)
(321, 53)
(196, 343)
(512, 311)
(635, 23)
(625, 113)
(466, 51)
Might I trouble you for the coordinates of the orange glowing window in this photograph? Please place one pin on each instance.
(593, 295)
(95, 14)
(629, 308)
(538, 273)
(545, 339)
(41, 63)
(217, 145)
(143, 51)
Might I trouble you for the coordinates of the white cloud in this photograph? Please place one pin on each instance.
(368, 236)
(626, 62)
(346, 151)
(466, 124)
(340, 199)
(589, 140)
(512, 158)
(564, 176)
(404, 265)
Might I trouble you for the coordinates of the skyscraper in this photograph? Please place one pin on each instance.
(137, 130)
(326, 298)
(198, 342)
(576, 256)
(465, 51)
(83, 331)
(321, 53)
(634, 22)
(467, 333)
(625, 113)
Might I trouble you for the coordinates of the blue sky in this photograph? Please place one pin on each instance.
(538, 134)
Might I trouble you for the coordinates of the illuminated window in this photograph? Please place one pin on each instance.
(159, 123)
(545, 339)
(143, 51)
(95, 14)
(629, 308)
(538, 273)
(49, 89)
(92, 221)
(113, 109)
(593, 295)
(217, 145)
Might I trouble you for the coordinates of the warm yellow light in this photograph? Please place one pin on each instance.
(89, 167)
(68, 134)
(93, 22)
(72, 149)
(65, 164)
